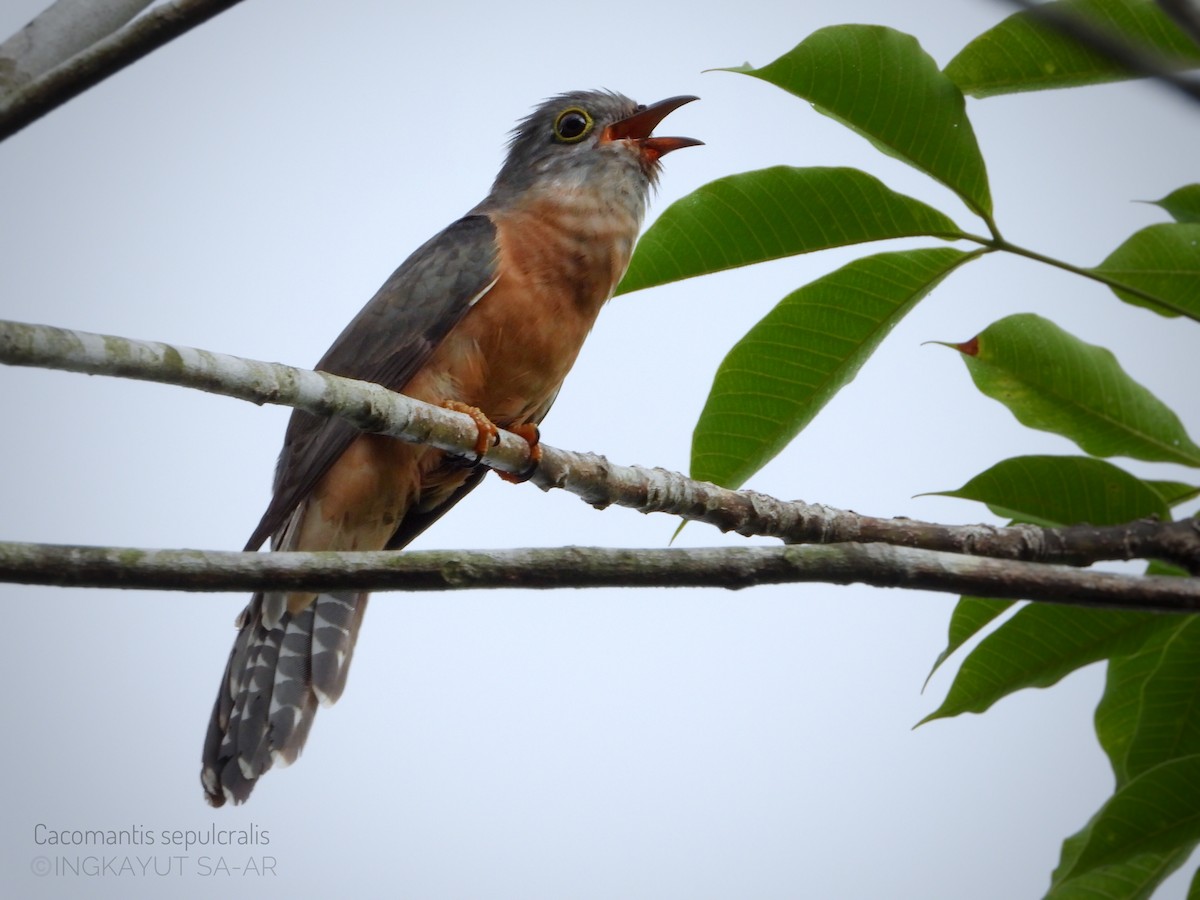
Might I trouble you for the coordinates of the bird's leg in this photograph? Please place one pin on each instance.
(487, 434)
(530, 432)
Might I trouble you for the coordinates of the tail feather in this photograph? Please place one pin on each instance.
(247, 733)
(281, 665)
(293, 704)
(337, 618)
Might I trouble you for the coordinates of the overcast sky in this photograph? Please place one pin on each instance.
(246, 189)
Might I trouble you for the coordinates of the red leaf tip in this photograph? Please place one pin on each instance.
(970, 348)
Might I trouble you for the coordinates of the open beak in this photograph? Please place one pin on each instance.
(637, 128)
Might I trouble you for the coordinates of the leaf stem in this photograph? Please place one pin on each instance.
(999, 243)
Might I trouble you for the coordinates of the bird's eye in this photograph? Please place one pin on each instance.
(573, 124)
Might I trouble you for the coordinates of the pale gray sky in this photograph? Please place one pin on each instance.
(246, 189)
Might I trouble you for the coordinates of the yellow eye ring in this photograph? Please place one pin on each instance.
(572, 125)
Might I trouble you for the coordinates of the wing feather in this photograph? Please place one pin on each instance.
(386, 343)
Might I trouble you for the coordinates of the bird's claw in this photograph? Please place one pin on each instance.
(530, 432)
(487, 434)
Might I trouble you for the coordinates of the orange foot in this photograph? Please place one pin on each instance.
(487, 433)
(530, 432)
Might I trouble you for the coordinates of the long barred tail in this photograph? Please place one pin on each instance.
(282, 664)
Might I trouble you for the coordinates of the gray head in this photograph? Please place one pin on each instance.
(587, 138)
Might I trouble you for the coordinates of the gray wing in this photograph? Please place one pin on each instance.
(386, 343)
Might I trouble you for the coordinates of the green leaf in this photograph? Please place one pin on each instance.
(1156, 812)
(1049, 491)
(1134, 879)
(1162, 263)
(1175, 493)
(1120, 709)
(1146, 714)
(1117, 718)
(1183, 203)
(1053, 381)
(790, 364)
(1060, 490)
(1023, 54)
(971, 615)
(882, 84)
(1041, 643)
(772, 213)
(1037, 647)
(1168, 724)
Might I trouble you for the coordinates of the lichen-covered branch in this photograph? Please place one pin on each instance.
(592, 477)
(602, 483)
(880, 565)
(369, 406)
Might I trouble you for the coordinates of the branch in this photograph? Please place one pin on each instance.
(27, 104)
(56, 34)
(588, 567)
(590, 476)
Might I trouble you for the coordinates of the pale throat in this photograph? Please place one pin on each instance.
(597, 224)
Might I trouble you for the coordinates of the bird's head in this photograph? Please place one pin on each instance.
(589, 139)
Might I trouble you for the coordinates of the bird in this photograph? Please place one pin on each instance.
(486, 317)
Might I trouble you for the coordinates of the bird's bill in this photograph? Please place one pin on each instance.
(639, 126)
